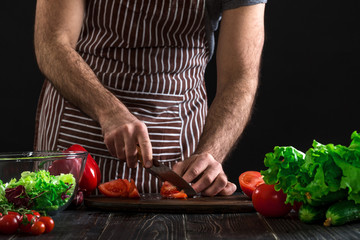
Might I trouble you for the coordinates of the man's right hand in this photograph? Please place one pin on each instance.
(121, 141)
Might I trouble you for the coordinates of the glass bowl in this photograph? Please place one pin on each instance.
(42, 181)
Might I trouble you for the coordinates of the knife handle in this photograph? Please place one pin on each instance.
(139, 156)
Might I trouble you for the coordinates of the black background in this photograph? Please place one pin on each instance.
(308, 87)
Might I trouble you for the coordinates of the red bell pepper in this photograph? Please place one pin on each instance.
(91, 176)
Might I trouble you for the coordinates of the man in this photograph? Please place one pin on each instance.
(127, 73)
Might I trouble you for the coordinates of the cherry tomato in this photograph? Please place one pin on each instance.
(249, 180)
(269, 202)
(18, 216)
(296, 206)
(8, 224)
(35, 213)
(27, 222)
(37, 228)
(49, 223)
(114, 188)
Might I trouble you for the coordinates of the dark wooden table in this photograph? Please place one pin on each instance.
(97, 224)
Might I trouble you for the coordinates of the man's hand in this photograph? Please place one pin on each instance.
(121, 139)
(206, 174)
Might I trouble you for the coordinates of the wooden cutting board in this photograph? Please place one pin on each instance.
(155, 203)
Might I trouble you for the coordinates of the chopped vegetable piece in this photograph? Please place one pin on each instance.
(249, 180)
(170, 191)
(119, 188)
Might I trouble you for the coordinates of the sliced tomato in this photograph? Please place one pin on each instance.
(170, 191)
(114, 188)
(179, 195)
(133, 192)
(249, 180)
(167, 189)
(128, 185)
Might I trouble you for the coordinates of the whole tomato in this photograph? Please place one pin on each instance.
(269, 202)
(49, 223)
(27, 222)
(37, 228)
(17, 215)
(8, 224)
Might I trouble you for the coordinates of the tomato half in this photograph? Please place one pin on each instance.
(133, 192)
(249, 180)
(269, 202)
(114, 188)
(8, 224)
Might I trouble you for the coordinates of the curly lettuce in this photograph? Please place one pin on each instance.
(322, 170)
(38, 190)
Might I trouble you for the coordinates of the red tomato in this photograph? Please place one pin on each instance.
(49, 223)
(170, 191)
(35, 213)
(249, 180)
(27, 222)
(297, 206)
(37, 228)
(133, 193)
(8, 224)
(114, 188)
(167, 189)
(269, 202)
(89, 160)
(17, 215)
(128, 186)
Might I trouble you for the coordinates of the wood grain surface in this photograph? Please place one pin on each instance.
(155, 203)
(107, 225)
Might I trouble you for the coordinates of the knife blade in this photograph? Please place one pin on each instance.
(164, 173)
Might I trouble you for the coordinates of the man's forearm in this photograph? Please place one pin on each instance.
(227, 118)
(240, 44)
(75, 80)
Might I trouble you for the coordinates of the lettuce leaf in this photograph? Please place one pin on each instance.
(46, 192)
(3, 200)
(321, 170)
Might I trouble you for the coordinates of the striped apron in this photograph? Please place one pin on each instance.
(151, 55)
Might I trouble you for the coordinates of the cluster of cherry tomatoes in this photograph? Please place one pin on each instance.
(266, 200)
(31, 223)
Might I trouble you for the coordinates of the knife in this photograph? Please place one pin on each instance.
(166, 174)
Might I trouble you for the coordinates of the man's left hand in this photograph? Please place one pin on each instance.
(206, 174)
